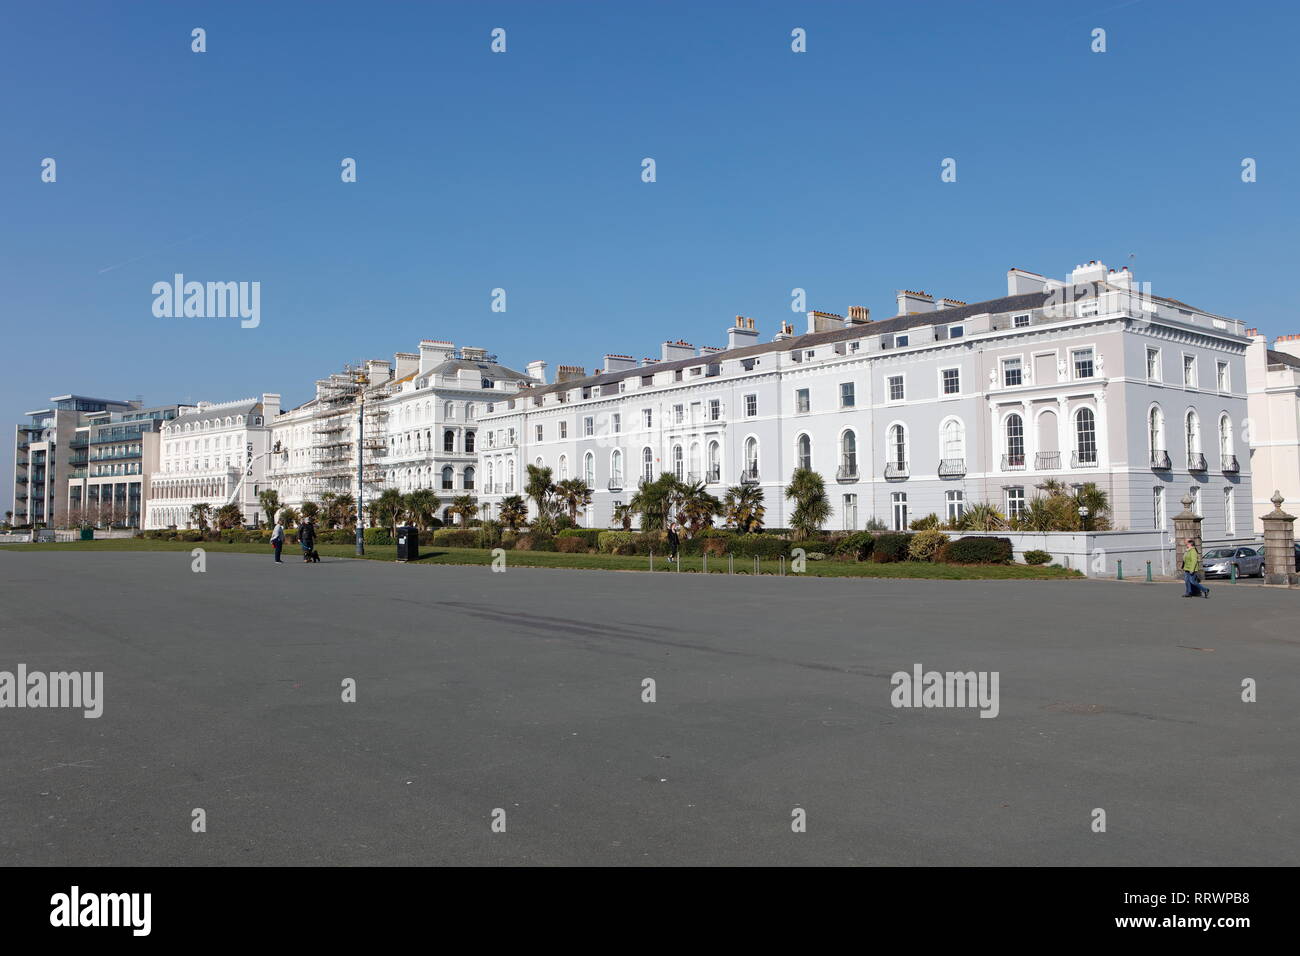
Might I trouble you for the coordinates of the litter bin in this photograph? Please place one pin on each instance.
(408, 543)
(87, 534)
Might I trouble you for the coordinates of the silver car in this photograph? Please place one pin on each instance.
(1219, 562)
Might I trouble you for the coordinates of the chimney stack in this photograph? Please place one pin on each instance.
(618, 363)
(270, 406)
(824, 321)
(742, 333)
(537, 370)
(858, 315)
(911, 303)
(672, 351)
(433, 352)
(378, 371)
(404, 363)
(567, 373)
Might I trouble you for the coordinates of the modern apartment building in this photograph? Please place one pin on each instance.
(1273, 386)
(408, 424)
(216, 454)
(1090, 379)
(51, 450)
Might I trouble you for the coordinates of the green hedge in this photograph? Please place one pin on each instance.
(456, 537)
(890, 546)
(759, 546)
(976, 550)
(590, 535)
(378, 536)
(609, 542)
(1037, 557)
(533, 541)
(857, 545)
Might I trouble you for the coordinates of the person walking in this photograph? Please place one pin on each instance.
(277, 540)
(307, 538)
(1191, 566)
(674, 542)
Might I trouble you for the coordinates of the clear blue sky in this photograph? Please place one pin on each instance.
(479, 170)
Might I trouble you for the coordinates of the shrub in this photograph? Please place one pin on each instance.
(535, 541)
(758, 546)
(488, 534)
(571, 544)
(589, 535)
(609, 541)
(928, 523)
(378, 536)
(976, 550)
(891, 546)
(1037, 557)
(456, 538)
(509, 539)
(708, 541)
(925, 544)
(857, 545)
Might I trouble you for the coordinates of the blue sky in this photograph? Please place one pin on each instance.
(522, 171)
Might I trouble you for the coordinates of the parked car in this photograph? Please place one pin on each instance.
(1219, 562)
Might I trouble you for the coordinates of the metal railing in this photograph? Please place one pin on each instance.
(952, 467)
(1160, 459)
(1230, 465)
(1086, 460)
(848, 471)
(713, 475)
(896, 469)
(749, 476)
(1195, 461)
(615, 484)
(1047, 460)
(1013, 462)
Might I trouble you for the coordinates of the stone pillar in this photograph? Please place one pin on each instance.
(1187, 524)
(1279, 544)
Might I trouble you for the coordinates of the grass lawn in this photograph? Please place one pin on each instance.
(608, 562)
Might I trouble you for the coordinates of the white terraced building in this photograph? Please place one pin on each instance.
(944, 404)
(214, 453)
(420, 425)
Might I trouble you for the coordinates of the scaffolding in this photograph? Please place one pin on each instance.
(335, 450)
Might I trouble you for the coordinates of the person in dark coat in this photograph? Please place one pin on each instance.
(674, 542)
(307, 538)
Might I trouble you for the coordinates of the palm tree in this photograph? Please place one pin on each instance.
(387, 509)
(270, 502)
(538, 487)
(696, 508)
(288, 516)
(982, 516)
(623, 516)
(229, 516)
(344, 510)
(310, 510)
(328, 506)
(744, 508)
(1098, 504)
(513, 511)
(464, 507)
(653, 501)
(812, 506)
(199, 514)
(422, 505)
(573, 494)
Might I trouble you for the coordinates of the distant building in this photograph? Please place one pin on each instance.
(215, 454)
(1273, 385)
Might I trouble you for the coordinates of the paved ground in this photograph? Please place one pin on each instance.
(522, 691)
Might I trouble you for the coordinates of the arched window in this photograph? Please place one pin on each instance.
(677, 462)
(751, 458)
(564, 467)
(616, 468)
(647, 464)
(1085, 437)
(589, 469)
(448, 476)
(715, 462)
(510, 475)
(1156, 431)
(1015, 436)
(469, 443)
(1226, 447)
(449, 441)
(694, 462)
(491, 470)
(449, 411)
(469, 477)
(469, 412)
(953, 439)
(1193, 433)
(897, 449)
(849, 454)
(803, 452)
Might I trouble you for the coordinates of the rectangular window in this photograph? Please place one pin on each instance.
(802, 402)
(1015, 502)
(751, 406)
(1012, 372)
(900, 341)
(848, 397)
(564, 429)
(589, 426)
(1189, 371)
(850, 512)
(679, 414)
(956, 504)
(809, 354)
(951, 381)
(539, 432)
(647, 417)
(1083, 363)
(617, 423)
(677, 375)
(1229, 511)
(715, 409)
(1019, 321)
(899, 502)
(1224, 384)
(896, 390)
(647, 380)
(1153, 365)
(956, 331)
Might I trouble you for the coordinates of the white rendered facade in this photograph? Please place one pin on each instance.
(214, 454)
(420, 427)
(1273, 381)
(944, 405)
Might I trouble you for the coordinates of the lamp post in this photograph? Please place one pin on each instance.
(1083, 516)
(361, 485)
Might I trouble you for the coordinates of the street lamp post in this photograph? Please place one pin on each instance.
(1083, 516)
(361, 485)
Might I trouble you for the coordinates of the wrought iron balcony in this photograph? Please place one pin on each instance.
(1013, 462)
(1230, 465)
(1195, 461)
(714, 475)
(1047, 460)
(848, 470)
(749, 476)
(1160, 459)
(615, 483)
(952, 467)
(1085, 460)
(896, 469)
